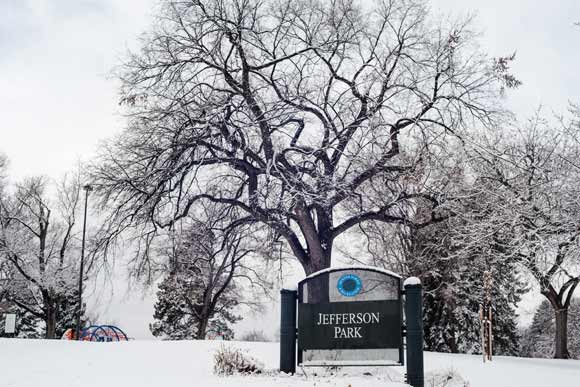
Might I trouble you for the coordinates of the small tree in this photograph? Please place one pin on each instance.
(205, 263)
(178, 310)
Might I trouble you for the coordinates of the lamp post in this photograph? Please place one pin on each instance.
(87, 188)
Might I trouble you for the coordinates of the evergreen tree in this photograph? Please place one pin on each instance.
(66, 313)
(450, 257)
(27, 325)
(538, 338)
(451, 264)
(179, 309)
(199, 293)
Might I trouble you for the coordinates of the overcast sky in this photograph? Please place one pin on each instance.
(57, 102)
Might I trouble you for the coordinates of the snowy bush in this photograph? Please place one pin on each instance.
(255, 336)
(230, 361)
(445, 378)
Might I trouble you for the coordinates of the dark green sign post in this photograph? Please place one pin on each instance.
(414, 321)
(288, 331)
(352, 317)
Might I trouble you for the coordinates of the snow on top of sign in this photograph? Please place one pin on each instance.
(290, 286)
(412, 281)
(353, 267)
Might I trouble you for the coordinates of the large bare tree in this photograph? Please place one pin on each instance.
(292, 111)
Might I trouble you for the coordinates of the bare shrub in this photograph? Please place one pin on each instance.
(231, 361)
(445, 378)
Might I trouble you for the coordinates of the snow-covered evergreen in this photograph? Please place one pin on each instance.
(452, 276)
(538, 338)
(203, 264)
(179, 309)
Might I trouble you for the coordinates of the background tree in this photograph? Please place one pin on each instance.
(255, 335)
(450, 257)
(3, 171)
(452, 268)
(529, 175)
(538, 338)
(27, 325)
(291, 112)
(205, 264)
(38, 245)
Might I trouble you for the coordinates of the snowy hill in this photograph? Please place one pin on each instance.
(32, 363)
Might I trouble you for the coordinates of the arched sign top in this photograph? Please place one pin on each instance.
(349, 284)
(349, 268)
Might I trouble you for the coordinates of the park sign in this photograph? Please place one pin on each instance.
(350, 316)
(353, 316)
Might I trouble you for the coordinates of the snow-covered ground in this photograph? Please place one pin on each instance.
(32, 363)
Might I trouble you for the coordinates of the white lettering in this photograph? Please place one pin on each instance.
(351, 318)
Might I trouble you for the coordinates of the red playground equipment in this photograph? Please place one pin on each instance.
(98, 333)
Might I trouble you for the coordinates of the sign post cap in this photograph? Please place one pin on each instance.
(412, 281)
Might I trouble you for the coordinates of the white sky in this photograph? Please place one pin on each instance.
(56, 102)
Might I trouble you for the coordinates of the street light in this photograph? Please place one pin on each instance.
(88, 188)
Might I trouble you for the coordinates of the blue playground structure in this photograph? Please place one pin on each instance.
(99, 333)
(103, 333)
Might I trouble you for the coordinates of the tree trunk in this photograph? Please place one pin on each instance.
(318, 239)
(316, 264)
(452, 343)
(318, 290)
(320, 258)
(561, 334)
(202, 328)
(50, 321)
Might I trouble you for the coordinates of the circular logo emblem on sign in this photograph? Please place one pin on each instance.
(349, 285)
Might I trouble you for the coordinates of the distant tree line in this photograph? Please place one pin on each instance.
(39, 253)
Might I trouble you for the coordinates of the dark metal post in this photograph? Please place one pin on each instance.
(87, 189)
(414, 322)
(288, 331)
